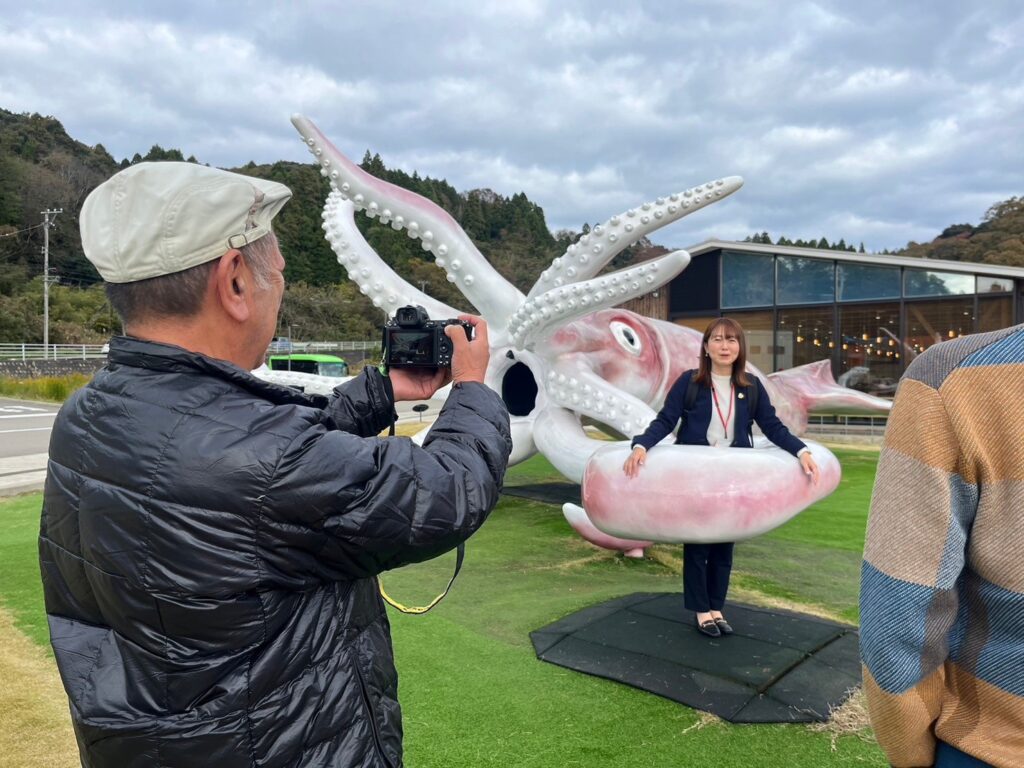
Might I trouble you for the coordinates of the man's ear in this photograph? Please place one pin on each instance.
(232, 285)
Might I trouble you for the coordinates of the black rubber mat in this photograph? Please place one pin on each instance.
(550, 493)
(778, 667)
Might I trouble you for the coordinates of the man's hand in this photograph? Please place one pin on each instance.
(635, 461)
(469, 363)
(417, 383)
(469, 358)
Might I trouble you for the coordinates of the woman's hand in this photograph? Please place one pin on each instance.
(809, 466)
(635, 461)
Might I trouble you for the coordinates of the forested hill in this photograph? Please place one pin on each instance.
(998, 239)
(42, 167)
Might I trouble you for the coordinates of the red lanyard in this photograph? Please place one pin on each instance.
(723, 419)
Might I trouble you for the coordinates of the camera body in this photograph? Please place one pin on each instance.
(413, 339)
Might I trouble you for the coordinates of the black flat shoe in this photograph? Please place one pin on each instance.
(723, 626)
(709, 628)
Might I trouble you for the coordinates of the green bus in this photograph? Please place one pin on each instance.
(321, 365)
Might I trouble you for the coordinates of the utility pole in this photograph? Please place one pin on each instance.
(47, 223)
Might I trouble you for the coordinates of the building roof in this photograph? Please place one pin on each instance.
(938, 265)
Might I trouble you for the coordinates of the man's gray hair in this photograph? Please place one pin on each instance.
(181, 294)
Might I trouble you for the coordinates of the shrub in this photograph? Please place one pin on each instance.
(54, 389)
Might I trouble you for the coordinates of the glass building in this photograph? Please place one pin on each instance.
(869, 315)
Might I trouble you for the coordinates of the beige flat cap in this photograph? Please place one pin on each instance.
(155, 219)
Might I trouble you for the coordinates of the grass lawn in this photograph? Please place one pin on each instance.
(472, 691)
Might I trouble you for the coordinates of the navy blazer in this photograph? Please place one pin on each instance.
(694, 430)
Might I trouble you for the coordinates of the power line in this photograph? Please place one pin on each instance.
(21, 231)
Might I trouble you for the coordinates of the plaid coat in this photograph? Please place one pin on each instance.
(942, 583)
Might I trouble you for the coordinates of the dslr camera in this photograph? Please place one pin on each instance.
(413, 339)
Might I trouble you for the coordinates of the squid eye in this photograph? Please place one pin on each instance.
(628, 338)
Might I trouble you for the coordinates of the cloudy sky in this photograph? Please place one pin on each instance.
(880, 122)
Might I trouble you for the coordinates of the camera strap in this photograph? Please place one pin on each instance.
(460, 553)
(420, 609)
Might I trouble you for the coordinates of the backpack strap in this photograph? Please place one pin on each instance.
(753, 393)
(691, 391)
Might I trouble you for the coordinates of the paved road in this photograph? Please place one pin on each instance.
(25, 427)
(24, 439)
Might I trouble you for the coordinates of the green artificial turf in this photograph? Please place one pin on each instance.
(21, 590)
(474, 694)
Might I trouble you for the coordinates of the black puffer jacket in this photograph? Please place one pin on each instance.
(208, 549)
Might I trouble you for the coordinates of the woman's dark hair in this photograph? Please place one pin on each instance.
(739, 366)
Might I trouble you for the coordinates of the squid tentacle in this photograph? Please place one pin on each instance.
(576, 516)
(562, 439)
(479, 282)
(577, 388)
(588, 256)
(540, 316)
(375, 279)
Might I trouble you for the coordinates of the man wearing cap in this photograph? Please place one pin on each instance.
(209, 542)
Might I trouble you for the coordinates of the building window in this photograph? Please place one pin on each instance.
(862, 282)
(747, 279)
(994, 312)
(994, 284)
(921, 282)
(695, 289)
(804, 335)
(805, 281)
(930, 322)
(870, 349)
(757, 327)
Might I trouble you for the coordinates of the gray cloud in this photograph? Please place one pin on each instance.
(878, 121)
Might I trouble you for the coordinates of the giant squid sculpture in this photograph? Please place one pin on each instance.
(562, 355)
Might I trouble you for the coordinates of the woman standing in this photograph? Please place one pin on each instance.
(718, 409)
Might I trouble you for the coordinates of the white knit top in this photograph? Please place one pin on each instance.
(719, 436)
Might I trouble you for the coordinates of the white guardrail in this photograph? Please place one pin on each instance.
(51, 351)
(847, 426)
(86, 351)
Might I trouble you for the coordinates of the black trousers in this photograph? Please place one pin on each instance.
(706, 569)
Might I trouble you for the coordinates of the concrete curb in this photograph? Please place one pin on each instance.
(22, 474)
(26, 482)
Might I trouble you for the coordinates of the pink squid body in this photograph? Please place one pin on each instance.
(697, 494)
